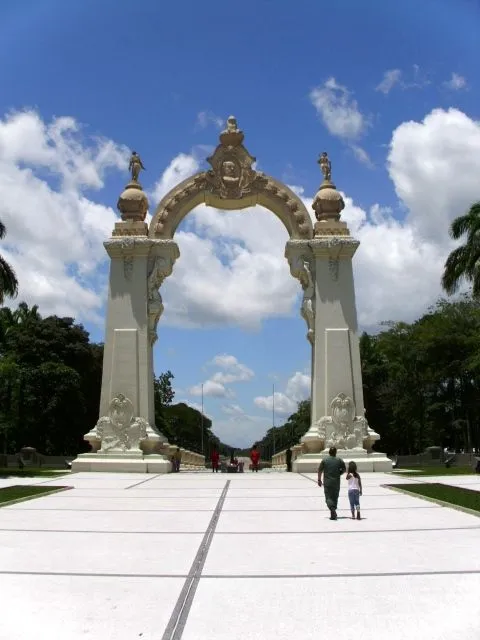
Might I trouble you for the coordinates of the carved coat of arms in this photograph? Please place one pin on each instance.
(231, 176)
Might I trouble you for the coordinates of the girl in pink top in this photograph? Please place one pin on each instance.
(354, 489)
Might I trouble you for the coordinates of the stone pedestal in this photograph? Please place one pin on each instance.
(122, 462)
(309, 462)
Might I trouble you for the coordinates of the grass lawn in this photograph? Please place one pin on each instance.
(23, 492)
(454, 495)
(436, 471)
(30, 472)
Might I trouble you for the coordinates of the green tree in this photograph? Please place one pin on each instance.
(50, 378)
(463, 263)
(8, 278)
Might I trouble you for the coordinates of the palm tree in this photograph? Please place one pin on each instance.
(463, 263)
(8, 279)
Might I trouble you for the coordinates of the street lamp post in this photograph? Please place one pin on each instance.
(273, 419)
(201, 423)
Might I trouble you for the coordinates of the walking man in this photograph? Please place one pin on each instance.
(331, 469)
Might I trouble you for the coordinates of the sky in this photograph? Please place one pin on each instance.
(390, 90)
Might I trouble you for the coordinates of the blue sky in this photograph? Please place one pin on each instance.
(347, 77)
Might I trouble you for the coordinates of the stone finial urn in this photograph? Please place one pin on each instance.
(133, 203)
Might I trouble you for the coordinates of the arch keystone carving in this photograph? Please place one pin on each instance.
(231, 183)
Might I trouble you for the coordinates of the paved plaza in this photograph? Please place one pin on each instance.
(198, 555)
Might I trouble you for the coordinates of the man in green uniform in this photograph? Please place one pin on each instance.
(331, 469)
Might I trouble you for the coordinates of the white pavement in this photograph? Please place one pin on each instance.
(204, 556)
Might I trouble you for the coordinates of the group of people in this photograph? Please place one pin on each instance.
(330, 472)
(254, 459)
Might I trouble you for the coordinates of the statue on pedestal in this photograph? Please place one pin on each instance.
(325, 166)
(135, 166)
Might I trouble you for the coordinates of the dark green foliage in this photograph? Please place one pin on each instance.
(8, 278)
(50, 376)
(463, 263)
(422, 380)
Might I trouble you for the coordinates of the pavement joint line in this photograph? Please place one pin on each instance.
(343, 576)
(142, 482)
(243, 533)
(81, 574)
(178, 619)
(257, 576)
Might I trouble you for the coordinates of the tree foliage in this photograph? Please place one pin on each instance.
(463, 263)
(50, 377)
(8, 278)
(422, 381)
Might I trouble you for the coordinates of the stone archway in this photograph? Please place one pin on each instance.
(320, 257)
(232, 183)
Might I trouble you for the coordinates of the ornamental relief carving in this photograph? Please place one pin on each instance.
(343, 429)
(160, 267)
(232, 177)
(120, 430)
(308, 303)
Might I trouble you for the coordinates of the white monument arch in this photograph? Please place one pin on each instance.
(125, 438)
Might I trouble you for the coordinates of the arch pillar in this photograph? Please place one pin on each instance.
(138, 266)
(324, 267)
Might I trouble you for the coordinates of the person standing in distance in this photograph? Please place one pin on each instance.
(332, 469)
(289, 459)
(255, 458)
(215, 460)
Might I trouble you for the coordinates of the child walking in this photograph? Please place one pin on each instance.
(354, 489)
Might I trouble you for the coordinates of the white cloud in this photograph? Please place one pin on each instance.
(55, 233)
(361, 155)
(211, 388)
(338, 111)
(239, 428)
(231, 371)
(456, 82)
(286, 403)
(390, 78)
(434, 166)
(204, 118)
(241, 274)
(398, 78)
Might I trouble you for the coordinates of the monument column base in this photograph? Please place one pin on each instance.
(120, 462)
(374, 461)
